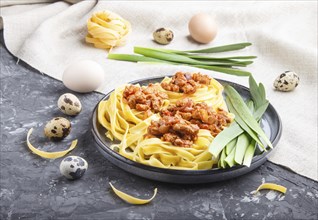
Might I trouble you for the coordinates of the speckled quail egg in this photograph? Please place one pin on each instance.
(286, 81)
(163, 36)
(69, 104)
(73, 167)
(57, 128)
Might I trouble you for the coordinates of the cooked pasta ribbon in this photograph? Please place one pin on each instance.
(49, 155)
(210, 94)
(130, 199)
(272, 186)
(129, 127)
(107, 29)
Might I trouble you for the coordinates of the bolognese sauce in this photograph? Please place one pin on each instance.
(186, 83)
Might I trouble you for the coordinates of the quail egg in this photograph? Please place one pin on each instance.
(57, 128)
(163, 36)
(286, 81)
(69, 104)
(73, 167)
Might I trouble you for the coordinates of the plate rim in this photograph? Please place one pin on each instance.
(117, 156)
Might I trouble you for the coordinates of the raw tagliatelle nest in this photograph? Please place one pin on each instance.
(107, 29)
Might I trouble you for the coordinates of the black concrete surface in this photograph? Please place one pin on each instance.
(32, 187)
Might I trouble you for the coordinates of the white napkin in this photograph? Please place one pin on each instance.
(284, 37)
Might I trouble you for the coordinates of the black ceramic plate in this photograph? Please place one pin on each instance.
(271, 124)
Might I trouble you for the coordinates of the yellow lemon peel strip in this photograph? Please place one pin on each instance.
(272, 186)
(49, 155)
(130, 199)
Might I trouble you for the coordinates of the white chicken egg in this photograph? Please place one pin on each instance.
(202, 28)
(83, 76)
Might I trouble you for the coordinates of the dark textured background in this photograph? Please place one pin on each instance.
(32, 187)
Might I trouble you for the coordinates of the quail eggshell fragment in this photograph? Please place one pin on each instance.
(73, 167)
(286, 81)
(163, 36)
(57, 128)
(69, 104)
(83, 76)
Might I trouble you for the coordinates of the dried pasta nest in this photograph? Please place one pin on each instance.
(107, 29)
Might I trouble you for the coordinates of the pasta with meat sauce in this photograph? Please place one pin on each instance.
(168, 124)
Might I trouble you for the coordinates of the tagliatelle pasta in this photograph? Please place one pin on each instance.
(49, 155)
(130, 199)
(210, 94)
(107, 30)
(130, 127)
(272, 186)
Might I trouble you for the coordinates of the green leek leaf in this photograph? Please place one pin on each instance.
(243, 142)
(249, 154)
(230, 158)
(229, 147)
(242, 123)
(243, 112)
(224, 137)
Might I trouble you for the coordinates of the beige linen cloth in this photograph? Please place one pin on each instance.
(284, 37)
